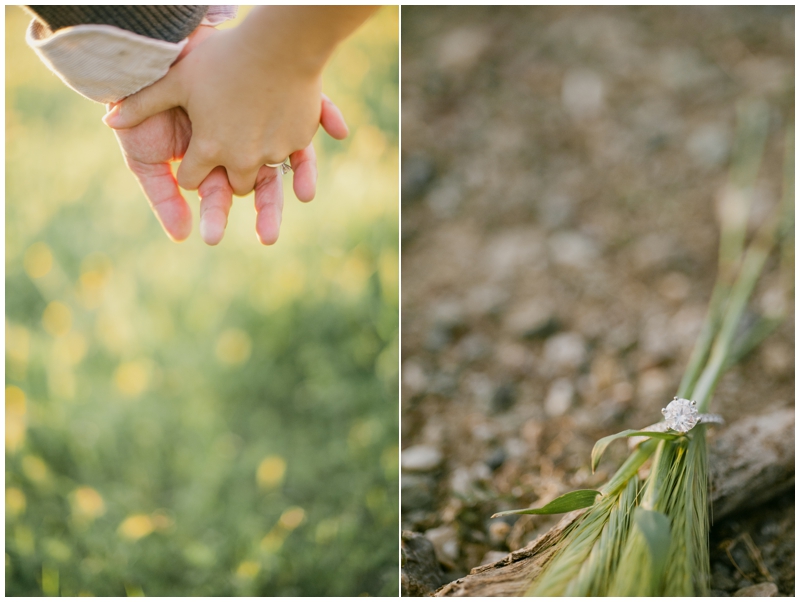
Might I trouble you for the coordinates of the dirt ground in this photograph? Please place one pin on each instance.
(561, 167)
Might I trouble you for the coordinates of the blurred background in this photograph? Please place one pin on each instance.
(562, 169)
(192, 420)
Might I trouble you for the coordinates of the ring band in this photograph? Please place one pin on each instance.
(284, 166)
(680, 416)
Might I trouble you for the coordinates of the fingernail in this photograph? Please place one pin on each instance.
(209, 232)
(112, 117)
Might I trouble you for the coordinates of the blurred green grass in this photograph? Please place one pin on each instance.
(187, 420)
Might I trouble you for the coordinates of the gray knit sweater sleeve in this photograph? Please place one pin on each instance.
(168, 23)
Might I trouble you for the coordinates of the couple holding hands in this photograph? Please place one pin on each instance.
(239, 107)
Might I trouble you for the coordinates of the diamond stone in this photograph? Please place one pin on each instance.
(680, 415)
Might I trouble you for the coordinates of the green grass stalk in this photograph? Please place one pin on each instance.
(660, 547)
(751, 135)
(607, 550)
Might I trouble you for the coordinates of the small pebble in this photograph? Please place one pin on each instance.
(721, 578)
(498, 531)
(421, 458)
(438, 338)
(572, 249)
(443, 384)
(565, 351)
(559, 398)
(654, 384)
(496, 458)
(759, 590)
(461, 48)
(530, 321)
(492, 556)
(708, 145)
(777, 358)
(484, 300)
(556, 210)
(414, 377)
(473, 347)
(417, 174)
(504, 397)
(675, 287)
(416, 492)
(582, 93)
(445, 542)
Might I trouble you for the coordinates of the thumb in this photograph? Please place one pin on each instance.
(332, 120)
(158, 97)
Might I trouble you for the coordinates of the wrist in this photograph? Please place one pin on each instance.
(301, 36)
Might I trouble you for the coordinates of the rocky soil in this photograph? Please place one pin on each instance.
(561, 170)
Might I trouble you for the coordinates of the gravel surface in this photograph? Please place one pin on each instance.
(561, 168)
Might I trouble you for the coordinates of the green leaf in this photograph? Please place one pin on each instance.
(602, 444)
(574, 500)
(655, 527)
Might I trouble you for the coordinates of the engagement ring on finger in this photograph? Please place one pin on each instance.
(284, 166)
(680, 416)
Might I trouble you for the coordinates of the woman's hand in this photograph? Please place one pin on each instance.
(244, 112)
(151, 139)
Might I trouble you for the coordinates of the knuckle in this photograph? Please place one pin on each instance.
(244, 164)
(207, 149)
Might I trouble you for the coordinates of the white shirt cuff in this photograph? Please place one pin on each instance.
(105, 63)
(102, 62)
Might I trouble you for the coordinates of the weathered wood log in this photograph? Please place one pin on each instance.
(751, 462)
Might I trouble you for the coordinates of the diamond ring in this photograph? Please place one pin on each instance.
(284, 166)
(680, 416)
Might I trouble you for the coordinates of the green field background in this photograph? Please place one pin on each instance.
(192, 420)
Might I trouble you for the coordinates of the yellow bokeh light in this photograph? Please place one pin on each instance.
(15, 502)
(87, 503)
(248, 569)
(38, 260)
(292, 518)
(49, 580)
(233, 346)
(389, 271)
(35, 469)
(60, 381)
(363, 433)
(368, 143)
(161, 520)
(134, 591)
(390, 461)
(114, 332)
(16, 409)
(273, 541)
(57, 550)
(70, 349)
(376, 499)
(327, 529)
(271, 471)
(57, 319)
(24, 540)
(352, 275)
(92, 284)
(18, 343)
(132, 378)
(90, 289)
(136, 526)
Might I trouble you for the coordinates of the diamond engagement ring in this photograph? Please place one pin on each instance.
(680, 416)
(284, 166)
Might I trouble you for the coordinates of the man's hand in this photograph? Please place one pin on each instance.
(149, 147)
(252, 92)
